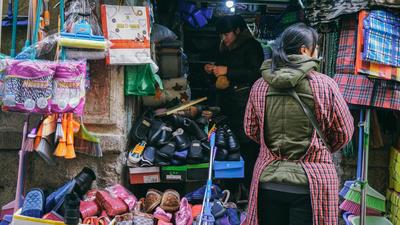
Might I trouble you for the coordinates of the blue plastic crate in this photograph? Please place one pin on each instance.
(229, 169)
(199, 18)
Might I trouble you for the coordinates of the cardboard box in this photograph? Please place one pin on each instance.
(18, 219)
(229, 169)
(197, 172)
(174, 173)
(144, 175)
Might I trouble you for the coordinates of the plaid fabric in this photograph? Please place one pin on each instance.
(336, 123)
(356, 90)
(372, 69)
(347, 49)
(382, 38)
(360, 90)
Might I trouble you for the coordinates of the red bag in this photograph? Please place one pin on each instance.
(89, 208)
(113, 206)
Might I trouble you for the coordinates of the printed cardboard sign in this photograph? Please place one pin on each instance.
(128, 29)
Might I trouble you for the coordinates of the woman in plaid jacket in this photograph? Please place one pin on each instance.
(294, 179)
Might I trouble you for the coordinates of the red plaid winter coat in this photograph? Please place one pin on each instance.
(336, 123)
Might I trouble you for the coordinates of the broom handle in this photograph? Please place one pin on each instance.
(360, 145)
(365, 168)
(21, 168)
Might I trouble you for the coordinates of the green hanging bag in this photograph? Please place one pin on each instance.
(140, 80)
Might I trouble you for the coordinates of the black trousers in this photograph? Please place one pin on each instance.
(282, 208)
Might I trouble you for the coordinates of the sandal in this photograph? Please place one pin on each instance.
(170, 201)
(153, 199)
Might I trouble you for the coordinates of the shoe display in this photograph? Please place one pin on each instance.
(83, 181)
(153, 199)
(221, 154)
(34, 203)
(195, 154)
(170, 201)
(160, 134)
(220, 139)
(232, 143)
(181, 139)
(148, 156)
(167, 151)
(71, 209)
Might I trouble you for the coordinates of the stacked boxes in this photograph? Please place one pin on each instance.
(393, 192)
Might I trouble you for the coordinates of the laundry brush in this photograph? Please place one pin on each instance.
(86, 143)
(59, 129)
(30, 141)
(61, 149)
(70, 154)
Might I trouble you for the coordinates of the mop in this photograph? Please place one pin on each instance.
(81, 35)
(206, 217)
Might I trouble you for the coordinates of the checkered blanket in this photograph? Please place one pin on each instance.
(359, 89)
(382, 38)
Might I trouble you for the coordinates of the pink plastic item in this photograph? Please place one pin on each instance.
(122, 193)
(160, 214)
(69, 87)
(184, 215)
(28, 86)
(113, 206)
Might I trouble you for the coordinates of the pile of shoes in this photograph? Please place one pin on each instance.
(179, 139)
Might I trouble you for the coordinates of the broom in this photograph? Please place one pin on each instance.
(61, 149)
(45, 147)
(30, 141)
(87, 143)
(347, 184)
(363, 194)
(70, 154)
(59, 129)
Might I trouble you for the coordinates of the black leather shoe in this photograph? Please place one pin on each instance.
(233, 144)
(195, 154)
(233, 157)
(221, 154)
(160, 134)
(181, 139)
(83, 181)
(71, 209)
(220, 140)
(177, 162)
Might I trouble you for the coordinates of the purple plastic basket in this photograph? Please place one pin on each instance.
(207, 12)
(199, 18)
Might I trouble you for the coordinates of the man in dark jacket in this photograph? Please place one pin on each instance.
(236, 69)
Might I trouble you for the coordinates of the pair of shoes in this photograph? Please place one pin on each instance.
(168, 201)
(197, 196)
(228, 147)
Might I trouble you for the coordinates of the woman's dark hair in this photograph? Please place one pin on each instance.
(227, 24)
(290, 42)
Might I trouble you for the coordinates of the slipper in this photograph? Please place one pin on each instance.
(153, 199)
(170, 201)
(178, 162)
(224, 220)
(160, 214)
(195, 154)
(218, 209)
(167, 151)
(181, 139)
(34, 203)
(159, 134)
(55, 200)
(198, 195)
(148, 156)
(161, 161)
(181, 155)
(184, 215)
(233, 215)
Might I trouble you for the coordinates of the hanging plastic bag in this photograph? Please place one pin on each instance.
(69, 87)
(140, 80)
(28, 86)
